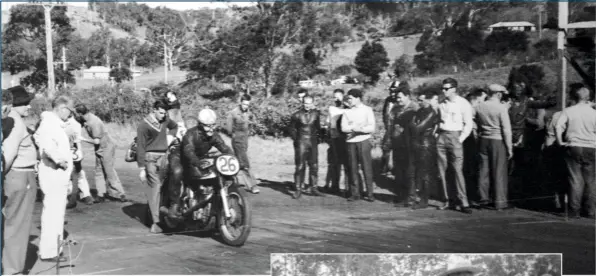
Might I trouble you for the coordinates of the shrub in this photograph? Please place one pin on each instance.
(342, 70)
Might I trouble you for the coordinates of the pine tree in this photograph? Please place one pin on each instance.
(371, 60)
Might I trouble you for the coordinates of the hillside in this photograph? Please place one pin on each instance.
(86, 22)
(395, 47)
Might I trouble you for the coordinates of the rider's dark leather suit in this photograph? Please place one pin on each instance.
(424, 152)
(305, 129)
(195, 145)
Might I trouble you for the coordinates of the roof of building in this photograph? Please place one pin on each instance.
(512, 24)
(103, 69)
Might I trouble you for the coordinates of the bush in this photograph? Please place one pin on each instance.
(503, 42)
(342, 70)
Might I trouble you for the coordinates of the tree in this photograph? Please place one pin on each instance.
(121, 74)
(39, 78)
(166, 26)
(371, 60)
(506, 41)
(24, 35)
(403, 66)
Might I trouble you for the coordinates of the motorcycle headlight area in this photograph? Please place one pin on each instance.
(227, 165)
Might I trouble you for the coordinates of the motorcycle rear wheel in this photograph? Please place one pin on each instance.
(235, 231)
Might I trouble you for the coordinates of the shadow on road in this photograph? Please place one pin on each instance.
(282, 187)
(139, 212)
(31, 253)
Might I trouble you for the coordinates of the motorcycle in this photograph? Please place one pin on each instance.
(214, 202)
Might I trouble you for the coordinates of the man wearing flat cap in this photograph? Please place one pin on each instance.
(462, 268)
(19, 185)
(495, 146)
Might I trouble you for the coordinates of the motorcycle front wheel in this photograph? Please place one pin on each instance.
(235, 230)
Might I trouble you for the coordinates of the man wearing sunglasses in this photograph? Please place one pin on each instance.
(54, 175)
(456, 123)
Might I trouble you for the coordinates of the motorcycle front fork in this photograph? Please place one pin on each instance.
(224, 199)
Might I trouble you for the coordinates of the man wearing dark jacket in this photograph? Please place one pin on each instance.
(390, 102)
(198, 141)
(151, 151)
(305, 128)
(424, 151)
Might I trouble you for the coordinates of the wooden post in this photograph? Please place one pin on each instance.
(561, 37)
(165, 58)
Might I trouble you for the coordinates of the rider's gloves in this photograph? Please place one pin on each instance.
(204, 164)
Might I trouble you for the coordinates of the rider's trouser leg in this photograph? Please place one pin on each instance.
(313, 165)
(300, 160)
(175, 176)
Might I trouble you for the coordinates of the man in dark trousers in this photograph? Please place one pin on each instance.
(19, 185)
(401, 137)
(305, 128)
(388, 105)
(495, 147)
(337, 143)
(424, 151)
(151, 152)
(576, 132)
(238, 123)
(358, 123)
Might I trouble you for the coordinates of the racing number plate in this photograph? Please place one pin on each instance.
(227, 165)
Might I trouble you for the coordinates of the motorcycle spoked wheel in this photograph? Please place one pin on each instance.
(235, 231)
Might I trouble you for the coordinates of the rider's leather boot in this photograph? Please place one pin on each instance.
(174, 211)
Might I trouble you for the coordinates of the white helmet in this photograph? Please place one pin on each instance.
(207, 117)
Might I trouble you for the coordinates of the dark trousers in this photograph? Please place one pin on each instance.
(471, 166)
(424, 169)
(401, 168)
(175, 174)
(306, 152)
(555, 173)
(20, 188)
(240, 146)
(359, 153)
(493, 171)
(337, 159)
(450, 155)
(580, 164)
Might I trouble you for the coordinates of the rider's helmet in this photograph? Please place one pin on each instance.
(207, 118)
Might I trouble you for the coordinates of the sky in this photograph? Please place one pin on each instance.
(171, 5)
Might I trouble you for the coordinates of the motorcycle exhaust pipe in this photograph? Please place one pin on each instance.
(164, 210)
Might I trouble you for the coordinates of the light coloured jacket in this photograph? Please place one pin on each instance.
(52, 140)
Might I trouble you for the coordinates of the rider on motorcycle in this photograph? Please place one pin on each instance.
(196, 143)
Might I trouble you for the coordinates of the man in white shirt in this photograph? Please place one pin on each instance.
(358, 123)
(337, 143)
(455, 126)
(54, 174)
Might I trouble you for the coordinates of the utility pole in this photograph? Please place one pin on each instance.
(47, 7)
(540, 9)
(563, 21)
(165, 57)
(63, 62)
(133, 67)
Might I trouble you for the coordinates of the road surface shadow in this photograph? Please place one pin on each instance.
(139, 212)
(282, 187)
(31, 258)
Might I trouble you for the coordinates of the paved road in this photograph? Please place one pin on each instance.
(112, 239)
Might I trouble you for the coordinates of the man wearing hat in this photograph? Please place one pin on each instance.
(461, 268)
(495, 146)
(20, 185)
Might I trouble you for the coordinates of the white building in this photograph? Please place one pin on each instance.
(102, 73)
(522, 26)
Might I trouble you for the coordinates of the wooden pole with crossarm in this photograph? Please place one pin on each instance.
(47, 7)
